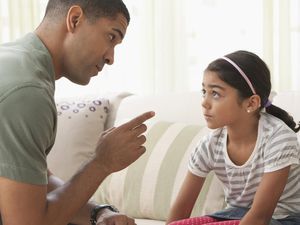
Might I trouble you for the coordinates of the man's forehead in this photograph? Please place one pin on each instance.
(118, 24)
(122, 23)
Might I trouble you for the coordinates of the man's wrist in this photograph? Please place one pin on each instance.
(97, 209)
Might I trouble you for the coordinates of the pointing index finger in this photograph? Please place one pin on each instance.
(138, 120)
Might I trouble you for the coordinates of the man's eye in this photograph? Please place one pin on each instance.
(203, 92)
(111, 37)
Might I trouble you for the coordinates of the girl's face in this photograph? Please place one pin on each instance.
(221, 104)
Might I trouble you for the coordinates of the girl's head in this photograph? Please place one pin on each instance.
(252, 66)
(249, 75)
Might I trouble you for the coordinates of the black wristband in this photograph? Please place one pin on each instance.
(95, 211)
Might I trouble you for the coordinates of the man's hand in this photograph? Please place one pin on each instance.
(117, 148)
(107, 217)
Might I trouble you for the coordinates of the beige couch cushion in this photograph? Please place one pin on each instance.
(147, 188)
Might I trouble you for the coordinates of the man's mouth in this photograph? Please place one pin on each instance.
(99, 68)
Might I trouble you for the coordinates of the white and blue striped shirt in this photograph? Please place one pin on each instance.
(276, 147)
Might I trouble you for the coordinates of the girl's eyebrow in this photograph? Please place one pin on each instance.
(214, 86)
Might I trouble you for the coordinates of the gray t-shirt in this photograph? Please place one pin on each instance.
(276, 147)
(27, 110)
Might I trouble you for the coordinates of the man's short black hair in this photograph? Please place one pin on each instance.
(93, 9)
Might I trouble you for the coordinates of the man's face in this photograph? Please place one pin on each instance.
(91, 46)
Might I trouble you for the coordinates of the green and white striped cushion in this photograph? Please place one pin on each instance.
(147, 188)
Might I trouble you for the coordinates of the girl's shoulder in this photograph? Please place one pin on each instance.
(215, 136)
(270, 123)
(272, 128)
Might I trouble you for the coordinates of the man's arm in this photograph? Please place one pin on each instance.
(83, 216)
(22, 203)
(266, 197)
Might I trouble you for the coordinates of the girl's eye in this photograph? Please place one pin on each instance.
(203, 92)
(215, 94)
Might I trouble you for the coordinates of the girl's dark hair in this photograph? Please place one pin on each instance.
(259, 75)
(93, 9)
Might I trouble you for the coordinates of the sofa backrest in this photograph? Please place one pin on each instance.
(176, 107)
(186, 107)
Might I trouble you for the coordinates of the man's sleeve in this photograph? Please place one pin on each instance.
(27, 130)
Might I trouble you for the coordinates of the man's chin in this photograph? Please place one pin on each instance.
(83, 82)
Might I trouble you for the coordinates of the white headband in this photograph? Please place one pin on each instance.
(241, 72)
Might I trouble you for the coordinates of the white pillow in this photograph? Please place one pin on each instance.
(79, 125)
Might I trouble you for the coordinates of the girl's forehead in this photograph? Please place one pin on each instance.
(211, 76)
(211, 79)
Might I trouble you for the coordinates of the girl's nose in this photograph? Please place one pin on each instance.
(205, 103)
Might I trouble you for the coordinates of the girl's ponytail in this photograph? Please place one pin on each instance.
(284, 116)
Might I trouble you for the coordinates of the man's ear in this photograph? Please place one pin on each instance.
(74, 17)
(253, 103)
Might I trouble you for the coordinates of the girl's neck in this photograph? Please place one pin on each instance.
(243, 132)
(241, 141)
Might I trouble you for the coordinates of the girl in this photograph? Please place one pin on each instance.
(253, 149)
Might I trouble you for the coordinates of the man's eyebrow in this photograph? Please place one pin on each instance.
(119, 32)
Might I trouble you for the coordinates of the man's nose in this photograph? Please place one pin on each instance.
(109, 57)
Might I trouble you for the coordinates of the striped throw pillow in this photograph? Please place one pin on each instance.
(148, 187)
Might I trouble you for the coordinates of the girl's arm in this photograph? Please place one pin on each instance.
(186, 198)
(266, 197)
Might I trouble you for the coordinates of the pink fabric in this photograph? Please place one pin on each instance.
(204, 220)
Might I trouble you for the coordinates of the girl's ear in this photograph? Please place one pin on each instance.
(253, 103)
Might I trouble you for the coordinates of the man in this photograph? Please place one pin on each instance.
(75, 40)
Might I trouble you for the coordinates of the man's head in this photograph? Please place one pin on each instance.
(93, 9)
(81, 35)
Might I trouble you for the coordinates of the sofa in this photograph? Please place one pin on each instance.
(146, 189)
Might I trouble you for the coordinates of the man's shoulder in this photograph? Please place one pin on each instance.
(24, 89)
(26, 98)
(25, 60)
(15, 68)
